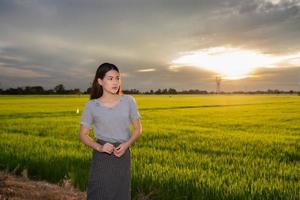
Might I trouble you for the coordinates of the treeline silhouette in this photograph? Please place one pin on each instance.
(60, 89)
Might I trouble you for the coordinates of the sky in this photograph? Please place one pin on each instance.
(251, 44)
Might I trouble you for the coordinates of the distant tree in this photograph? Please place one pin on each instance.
(50, 91)
(34, 90)
(59, 89)
(165, 91)
(76, 91)
(131, 91)
(88, 91)
(158, 91)
(172, 91)
(18, 90)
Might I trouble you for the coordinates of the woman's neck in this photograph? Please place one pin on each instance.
(109, 96)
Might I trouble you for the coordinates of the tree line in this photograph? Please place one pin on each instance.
(60, 89)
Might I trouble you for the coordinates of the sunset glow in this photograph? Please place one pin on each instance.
(230, 63)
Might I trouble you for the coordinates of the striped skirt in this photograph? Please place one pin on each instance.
(109, 176)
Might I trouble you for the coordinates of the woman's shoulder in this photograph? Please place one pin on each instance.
(128, 97)
(91, 103)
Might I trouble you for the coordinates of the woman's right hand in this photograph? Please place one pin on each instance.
(106, 148)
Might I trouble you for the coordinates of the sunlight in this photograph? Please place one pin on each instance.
(230, 63)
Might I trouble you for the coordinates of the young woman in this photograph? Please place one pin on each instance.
(111, 114)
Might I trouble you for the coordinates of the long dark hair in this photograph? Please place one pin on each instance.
(97, 90)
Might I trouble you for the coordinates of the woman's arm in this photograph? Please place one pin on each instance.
(120, 150)
(137, 126)
(87, 140)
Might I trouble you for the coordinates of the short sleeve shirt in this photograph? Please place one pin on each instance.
(111, 124)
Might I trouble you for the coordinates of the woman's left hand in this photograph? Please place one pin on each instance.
(120, 150)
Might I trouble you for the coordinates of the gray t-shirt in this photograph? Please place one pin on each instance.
(111, 124)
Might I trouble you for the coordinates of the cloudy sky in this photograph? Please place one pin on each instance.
(251, 44)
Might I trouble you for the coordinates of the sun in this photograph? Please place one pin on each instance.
(230, 63)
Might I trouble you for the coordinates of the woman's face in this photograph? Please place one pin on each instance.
(110, 82)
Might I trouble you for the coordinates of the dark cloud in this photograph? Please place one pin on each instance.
(181, 78)
(256, 25)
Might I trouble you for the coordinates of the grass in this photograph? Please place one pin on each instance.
(192, 147)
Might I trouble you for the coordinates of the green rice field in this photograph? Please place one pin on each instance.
(191, 147)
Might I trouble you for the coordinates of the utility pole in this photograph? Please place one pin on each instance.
(218, 82)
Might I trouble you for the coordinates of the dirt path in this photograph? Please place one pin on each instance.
(21, 188)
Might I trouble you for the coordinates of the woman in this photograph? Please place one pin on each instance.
(111, 115)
